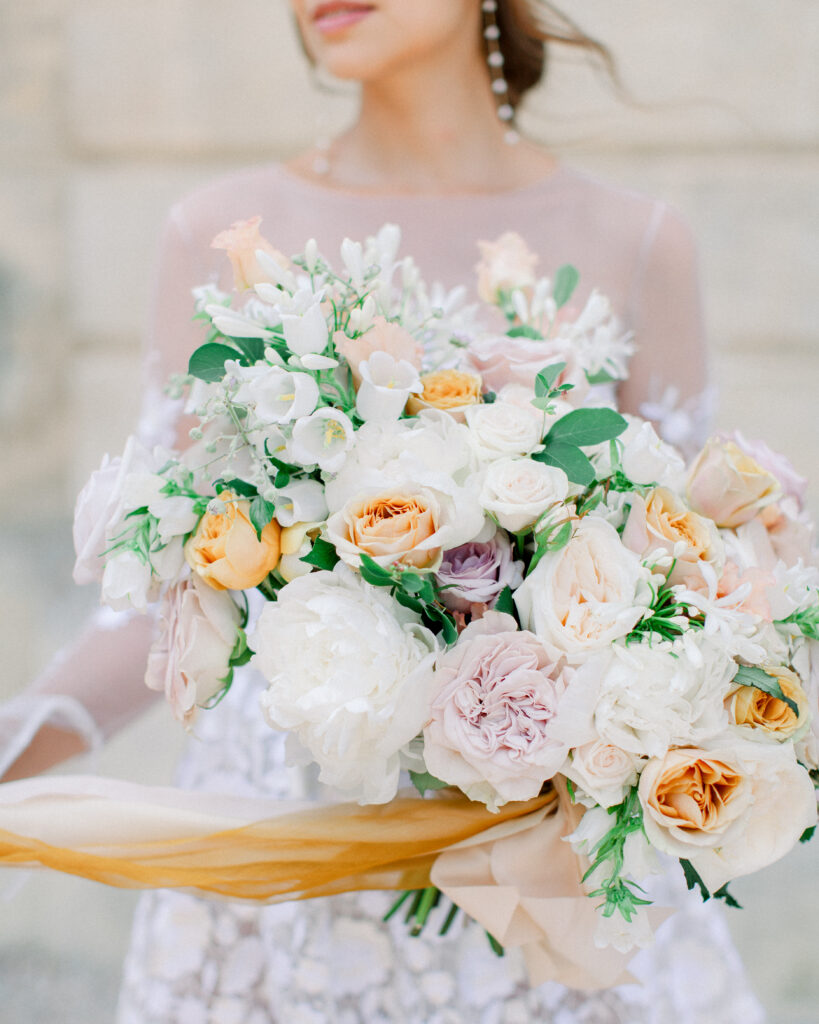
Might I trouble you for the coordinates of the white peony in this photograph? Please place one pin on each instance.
(661, 694)
(517, 491)
(345, 665)
(503, 428)
(586, 595)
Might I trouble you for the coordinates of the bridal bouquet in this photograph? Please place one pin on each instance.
(476, 570)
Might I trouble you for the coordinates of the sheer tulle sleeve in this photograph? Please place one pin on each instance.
(96, 685)
(669, 380)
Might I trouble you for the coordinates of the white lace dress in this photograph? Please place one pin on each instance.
(332, 961)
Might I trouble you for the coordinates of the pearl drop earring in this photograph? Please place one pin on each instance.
(494, 58)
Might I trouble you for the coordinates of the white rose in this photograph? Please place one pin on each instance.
(346, 666)
(603, 772)
(504, 429)
(517, 491)
(190, 659)
(657, 695)
(586, 595)
(100, 509)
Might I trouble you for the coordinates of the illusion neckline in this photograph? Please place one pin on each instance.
(542, 184)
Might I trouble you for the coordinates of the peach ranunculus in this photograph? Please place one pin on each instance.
(449, 390)
(396, 526)
(505, 264)
(662, 521)
(729, 486)
(383, 336)
(691, 798)
(242, 241)
(754, 709)
(225, 551)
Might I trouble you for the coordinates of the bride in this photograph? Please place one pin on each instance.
(434, 150)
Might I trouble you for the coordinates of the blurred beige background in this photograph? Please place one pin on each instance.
(111, 110)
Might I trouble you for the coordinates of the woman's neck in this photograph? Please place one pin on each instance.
(430, 130)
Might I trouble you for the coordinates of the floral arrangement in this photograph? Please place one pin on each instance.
(473, 568)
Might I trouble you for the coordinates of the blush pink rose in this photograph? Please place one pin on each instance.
(242, 241)
(498, 714)
(383, 336)
(191, 658)
(505, 264)
(793, 484)
(728, 486)
(502, 360)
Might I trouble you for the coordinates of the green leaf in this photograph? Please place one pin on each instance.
(588, 426)
(241, 653)
(601, 377)
(408, 601)
(261, 512)
(236, 486)
(724, 894)
(760, 680)
(693, 880)
(566, 280)
(252, 348)
(208, 361)
(424, 781)
(570, 459)
(524, 331)
(375, 574)
(545, 380)
(808, 834)
(504, 602)
(412, 583)
(489, 397)
(323, 555)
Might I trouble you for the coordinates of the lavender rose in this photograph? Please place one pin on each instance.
(501, 713)
(476, 573)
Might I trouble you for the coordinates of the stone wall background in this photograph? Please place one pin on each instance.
(109, 111)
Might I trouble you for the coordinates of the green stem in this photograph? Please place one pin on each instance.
(429, 897)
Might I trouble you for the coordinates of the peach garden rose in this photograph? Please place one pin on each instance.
(728, 486)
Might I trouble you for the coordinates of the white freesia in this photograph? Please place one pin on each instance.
(502, 428)
(386, 384)
(236, 325)
(517, 491)
(322, 439)
(602, 772)
(301, 501)
(345, 665)
(131, 582)
(586, 595)
(662, 694)
(190, 659)
(306, 331)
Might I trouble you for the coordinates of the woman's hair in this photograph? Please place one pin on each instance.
(528, 31)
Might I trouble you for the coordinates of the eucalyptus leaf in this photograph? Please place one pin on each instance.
(375, 574)
(601, 377)
(504, 602)
(693, 880)
(252, 348)
(760, 680)
(236, 486)
(587, 426)
(208, 361)
(566, 280)
(545, 380)
(570, 459)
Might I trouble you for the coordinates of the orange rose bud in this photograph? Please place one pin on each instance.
(225, 551)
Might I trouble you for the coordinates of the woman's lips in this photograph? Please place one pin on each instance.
(337, 15)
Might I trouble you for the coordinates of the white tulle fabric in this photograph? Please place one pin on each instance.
(195, 962)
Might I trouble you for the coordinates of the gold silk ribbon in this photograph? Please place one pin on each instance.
(510, 870)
